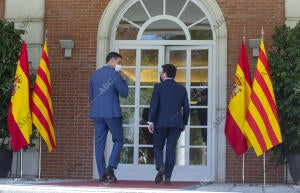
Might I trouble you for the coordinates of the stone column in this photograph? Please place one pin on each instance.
(292, 13)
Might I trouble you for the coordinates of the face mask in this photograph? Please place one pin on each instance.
(118, 67)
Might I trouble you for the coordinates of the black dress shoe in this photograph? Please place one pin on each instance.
(160, 175)
(113, 179)
(167, 182)
(109, 176)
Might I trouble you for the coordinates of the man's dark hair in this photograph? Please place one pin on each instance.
(111, 55)
(170, 69)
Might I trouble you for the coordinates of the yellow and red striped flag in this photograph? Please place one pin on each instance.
(237, 108)
(262, 125)
(19, 114)
(42, 111)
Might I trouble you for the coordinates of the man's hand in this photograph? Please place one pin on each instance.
(122, 74)
(151, 128)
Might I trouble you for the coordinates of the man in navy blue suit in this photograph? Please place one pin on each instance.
(105, 86)
(168, 116)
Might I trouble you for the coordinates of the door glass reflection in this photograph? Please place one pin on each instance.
(201, 31)
(146, 155)
(198, 156)
(199, 58)
(128, 57)
(199, 96)
(163, 30)
(155, 7)
(198, 136)
(145, 137)
(144, 112)
(126, 31)
(136, 14)
(128, 133)
(130, 99)
(174, 7)
(178, 58)
(199, 77)
(149, 76)
(149, 58)
(181, 76)
(145, 96)
(128, 115)
(130, 75)
(126, 156)
(191, 14)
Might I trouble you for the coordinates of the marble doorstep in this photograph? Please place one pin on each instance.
(69, 189)
(39, 186)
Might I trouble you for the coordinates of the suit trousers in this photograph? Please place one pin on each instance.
(169, 136)
(102, 126)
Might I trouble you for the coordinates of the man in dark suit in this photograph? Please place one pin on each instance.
(168, 116)
(105, 86)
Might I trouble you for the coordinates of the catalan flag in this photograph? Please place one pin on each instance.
(262, 125)
(42, 111)
(19, 114)
(237, 108)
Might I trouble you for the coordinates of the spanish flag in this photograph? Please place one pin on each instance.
(42, 111)
(19, 114)
(237, 108)
(262, 125)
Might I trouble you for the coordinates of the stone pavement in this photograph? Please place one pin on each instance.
(249, 188)
(27, 186)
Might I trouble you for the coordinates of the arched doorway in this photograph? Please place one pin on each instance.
(149, 33)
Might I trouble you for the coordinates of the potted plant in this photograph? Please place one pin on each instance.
(284, 61)
(10, 39)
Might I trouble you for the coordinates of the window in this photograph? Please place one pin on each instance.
(158, 20)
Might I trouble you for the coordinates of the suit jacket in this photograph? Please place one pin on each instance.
(169, 105)
(105, 86)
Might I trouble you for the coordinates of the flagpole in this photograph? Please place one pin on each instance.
(21, 172)
(262, 32)
(40, 141)
(264, 160)
(264, 156)
(244, 34)
(46, 35)
(243, 170)
(243, 167)
(17, 165)
(40, 155)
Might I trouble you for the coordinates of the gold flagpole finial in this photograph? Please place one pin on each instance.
(46, 35)
(244, 34)
(262, 32)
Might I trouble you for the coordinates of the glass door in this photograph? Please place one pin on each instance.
(142, 66)
(193, 155)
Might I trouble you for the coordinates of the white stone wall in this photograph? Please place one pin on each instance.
(29, 15)
(292, 12)
(292, 15)
(30, 163)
